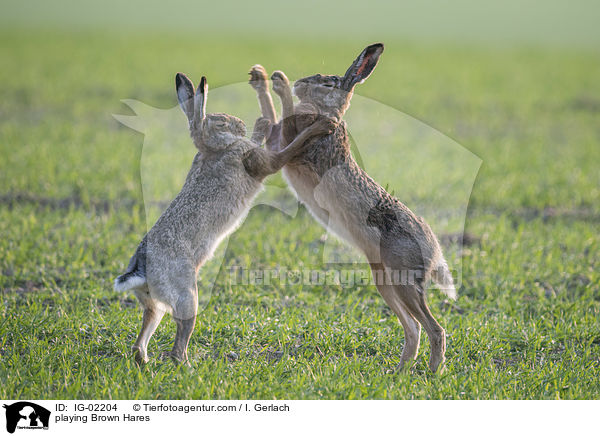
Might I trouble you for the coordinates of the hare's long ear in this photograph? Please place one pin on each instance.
(185, 95)
(200, 100)
(362, 66)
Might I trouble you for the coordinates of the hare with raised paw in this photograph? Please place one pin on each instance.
(225, 176)
(344, 199)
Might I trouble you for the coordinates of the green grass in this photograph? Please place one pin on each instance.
(71, 213)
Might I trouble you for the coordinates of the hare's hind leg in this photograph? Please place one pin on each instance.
(185, 327)
(184, 315)
(413, 298)
(150, 321)
(412, 329)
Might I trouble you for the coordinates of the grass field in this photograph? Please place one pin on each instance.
(525, 326)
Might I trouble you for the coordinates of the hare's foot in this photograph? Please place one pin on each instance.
(258, 78)
(261, 125)
(438, 349)
(323, 126)
(281, 84)
(261, 130)
(140, 355)
(180, 360)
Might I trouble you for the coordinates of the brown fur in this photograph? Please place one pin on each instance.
(224, 178)
(344, 199)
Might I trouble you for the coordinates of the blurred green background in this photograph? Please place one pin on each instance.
(515, 83)
(547, 23)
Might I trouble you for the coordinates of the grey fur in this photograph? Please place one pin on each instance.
(344, 199)
(225, 176)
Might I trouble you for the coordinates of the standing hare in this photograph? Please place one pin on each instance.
(344, 199)
(225, 176)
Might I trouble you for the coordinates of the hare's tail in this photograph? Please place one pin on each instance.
(135, 276)
(129, 280)
(442, 276)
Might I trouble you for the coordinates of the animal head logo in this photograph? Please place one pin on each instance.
(425, 169)
(26, 415)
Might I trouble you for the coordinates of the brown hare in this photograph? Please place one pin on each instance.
(344, 199)
(225, 176)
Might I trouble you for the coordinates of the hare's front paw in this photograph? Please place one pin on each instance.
(324, 126)
(258, 78)
(261, 125)
(280, 82)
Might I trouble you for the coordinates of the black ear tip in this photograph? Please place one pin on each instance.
(378, 47)
(179, 79)
(202, 86)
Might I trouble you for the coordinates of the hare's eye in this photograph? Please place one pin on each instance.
(328, 85)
